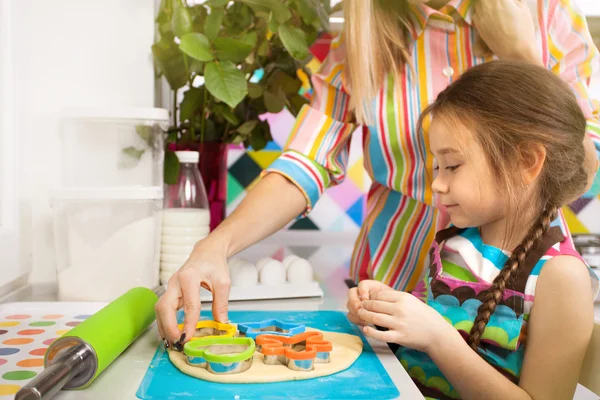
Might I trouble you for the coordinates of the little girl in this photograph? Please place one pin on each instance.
(486, 322)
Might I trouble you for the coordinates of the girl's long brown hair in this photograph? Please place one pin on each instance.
(511, 108)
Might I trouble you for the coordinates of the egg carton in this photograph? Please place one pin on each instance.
(268, 279)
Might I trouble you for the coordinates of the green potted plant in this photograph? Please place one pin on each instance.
(230, 62)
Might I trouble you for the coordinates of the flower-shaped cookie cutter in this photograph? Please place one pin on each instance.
(221, 355)
(212, 329)
(299, 352)
(270, 327)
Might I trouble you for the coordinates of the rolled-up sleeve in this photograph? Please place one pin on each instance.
(316, 154)
(573, 56)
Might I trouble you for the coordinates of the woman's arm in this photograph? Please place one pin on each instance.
(558, 333)
(315, 159)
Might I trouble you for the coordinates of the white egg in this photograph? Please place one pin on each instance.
(234, 263)
(244, 274)
(272, 273)
(288, 260)
(261, 263)
(300, 271)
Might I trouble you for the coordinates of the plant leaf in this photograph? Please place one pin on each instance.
(235, 50)
(172, 138)
(296, 103)
(171, 168)
(237, 139)
(212, 26)
(199, 15)
(255, 90)
(263, 49)
(273, 102)
(196, 67)
(170, 62)
(238, 18)
(307, 11)
(247, 127)
(225, 82)
(279, 9)
(133, 152)
(218, 3)
(281, 80)
(193, 99)
(145, 133)
(227, 113)
(196, 45)
(182, 20)
(294, 41)
(163, 19)
(260, 136)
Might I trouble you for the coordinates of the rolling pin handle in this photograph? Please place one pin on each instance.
(71, 364)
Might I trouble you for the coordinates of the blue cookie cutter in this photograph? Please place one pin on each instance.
(270, 327)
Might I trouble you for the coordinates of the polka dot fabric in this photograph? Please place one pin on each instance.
(24, 338)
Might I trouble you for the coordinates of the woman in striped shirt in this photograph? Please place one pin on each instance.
(396, 57)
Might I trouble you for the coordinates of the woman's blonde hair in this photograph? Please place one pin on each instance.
(512, 108)
(378, 40)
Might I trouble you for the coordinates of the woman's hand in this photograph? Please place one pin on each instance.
(411, 322)
(356, 295)
(507, 28)
(206, 267)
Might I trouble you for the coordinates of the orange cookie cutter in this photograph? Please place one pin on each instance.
(299, 352)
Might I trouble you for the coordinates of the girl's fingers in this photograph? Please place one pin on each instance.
(379, 306)
(384, 336)
(375, 318)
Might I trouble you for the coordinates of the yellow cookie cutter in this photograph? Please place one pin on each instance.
(209, 329)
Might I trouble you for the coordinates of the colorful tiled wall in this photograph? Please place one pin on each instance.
(340, 209)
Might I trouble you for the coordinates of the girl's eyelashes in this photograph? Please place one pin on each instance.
(450, 168)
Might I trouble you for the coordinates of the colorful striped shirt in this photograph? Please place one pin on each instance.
(401, 215)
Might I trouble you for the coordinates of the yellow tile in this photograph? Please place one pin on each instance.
(264, 158)
(575, 225)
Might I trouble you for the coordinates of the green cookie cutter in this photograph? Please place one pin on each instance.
(220, 349)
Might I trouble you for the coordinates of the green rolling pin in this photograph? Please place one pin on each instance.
(75, 360)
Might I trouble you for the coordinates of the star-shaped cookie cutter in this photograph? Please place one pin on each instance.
(270, 327)
(299, 352)
(212, 329)
(221, 355)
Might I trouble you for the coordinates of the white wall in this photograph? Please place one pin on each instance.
(71, 53)
(589, 7)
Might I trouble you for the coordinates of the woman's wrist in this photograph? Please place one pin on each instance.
(218, 241)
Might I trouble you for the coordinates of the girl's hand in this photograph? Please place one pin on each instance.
(411, 322)
(356, 295)
(507, 28)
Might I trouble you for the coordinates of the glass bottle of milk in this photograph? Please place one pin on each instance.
(185, 215)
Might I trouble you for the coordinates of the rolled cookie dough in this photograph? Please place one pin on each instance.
(346, 349)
